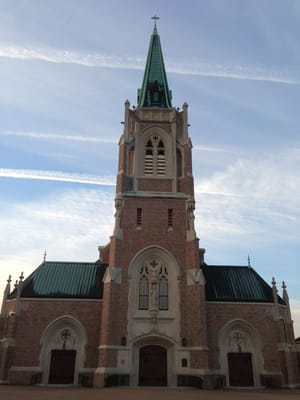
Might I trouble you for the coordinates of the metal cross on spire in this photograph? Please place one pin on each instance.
(155, 18)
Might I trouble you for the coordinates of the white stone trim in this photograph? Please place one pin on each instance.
(252, 345)
(50, 341)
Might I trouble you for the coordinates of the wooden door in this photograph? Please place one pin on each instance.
(240, 369)
(153, 366)
(62, 367)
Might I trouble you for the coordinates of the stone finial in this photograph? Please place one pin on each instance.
(275, 297)
(21, 277)
(249, 261)
(284, 292)
(286, 299)
(5, 295)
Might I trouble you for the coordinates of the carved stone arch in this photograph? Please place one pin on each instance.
(143, 139)
(154, 338)
(150, 251)
(64, 333)
(239, 337)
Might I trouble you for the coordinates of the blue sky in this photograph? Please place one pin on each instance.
(66, 69)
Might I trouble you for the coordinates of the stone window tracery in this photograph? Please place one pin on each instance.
(153, 287)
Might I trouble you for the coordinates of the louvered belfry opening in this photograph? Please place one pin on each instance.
(155, 157)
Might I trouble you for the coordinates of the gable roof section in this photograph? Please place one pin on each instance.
(64, 280)
(236, 284)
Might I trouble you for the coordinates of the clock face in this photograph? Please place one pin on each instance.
(238, 338)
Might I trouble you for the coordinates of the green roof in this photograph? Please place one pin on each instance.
(155, 91)
(236, 284)
(64, 280)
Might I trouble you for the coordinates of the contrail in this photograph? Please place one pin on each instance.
(138, 63)
(57, 136)
(56, 176)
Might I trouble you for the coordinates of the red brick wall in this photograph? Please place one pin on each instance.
(114, 314)
(154, 231)
(155, 185)
(259, 316)
(35, 316)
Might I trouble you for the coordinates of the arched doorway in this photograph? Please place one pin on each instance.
(153, 366)
(62, 351)
(240, 354)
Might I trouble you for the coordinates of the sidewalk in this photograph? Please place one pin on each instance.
(71, 393)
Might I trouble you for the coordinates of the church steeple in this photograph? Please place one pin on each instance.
(155, 91)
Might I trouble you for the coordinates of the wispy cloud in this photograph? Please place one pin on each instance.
(138, 63)
(56, 176)
(57, 136)
(71, 57)
(253, 196)
(235, 72)
(67, 224)
(83, 138)
(214, 149)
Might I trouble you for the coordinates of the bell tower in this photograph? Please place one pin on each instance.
(153, 303)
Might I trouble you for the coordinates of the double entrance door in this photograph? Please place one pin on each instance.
(62, 367)
(240, 369)
(153, 366)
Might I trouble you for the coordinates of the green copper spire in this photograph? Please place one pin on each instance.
(155, 91)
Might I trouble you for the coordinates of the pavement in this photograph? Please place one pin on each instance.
(70, 393)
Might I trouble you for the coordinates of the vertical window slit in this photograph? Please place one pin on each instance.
(170, 217)
(139, 216)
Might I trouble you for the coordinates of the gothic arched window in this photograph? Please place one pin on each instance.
(144, 289)
(163, 298)
(149, 158)
(153, 287)
(161, 159)
(155, 157)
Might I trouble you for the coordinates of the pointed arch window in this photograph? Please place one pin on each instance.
(149, 158)
(144, 289)
(161, 159)
(155, 157)
(163, 289)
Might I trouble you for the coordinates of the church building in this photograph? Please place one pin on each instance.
(149, 311)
